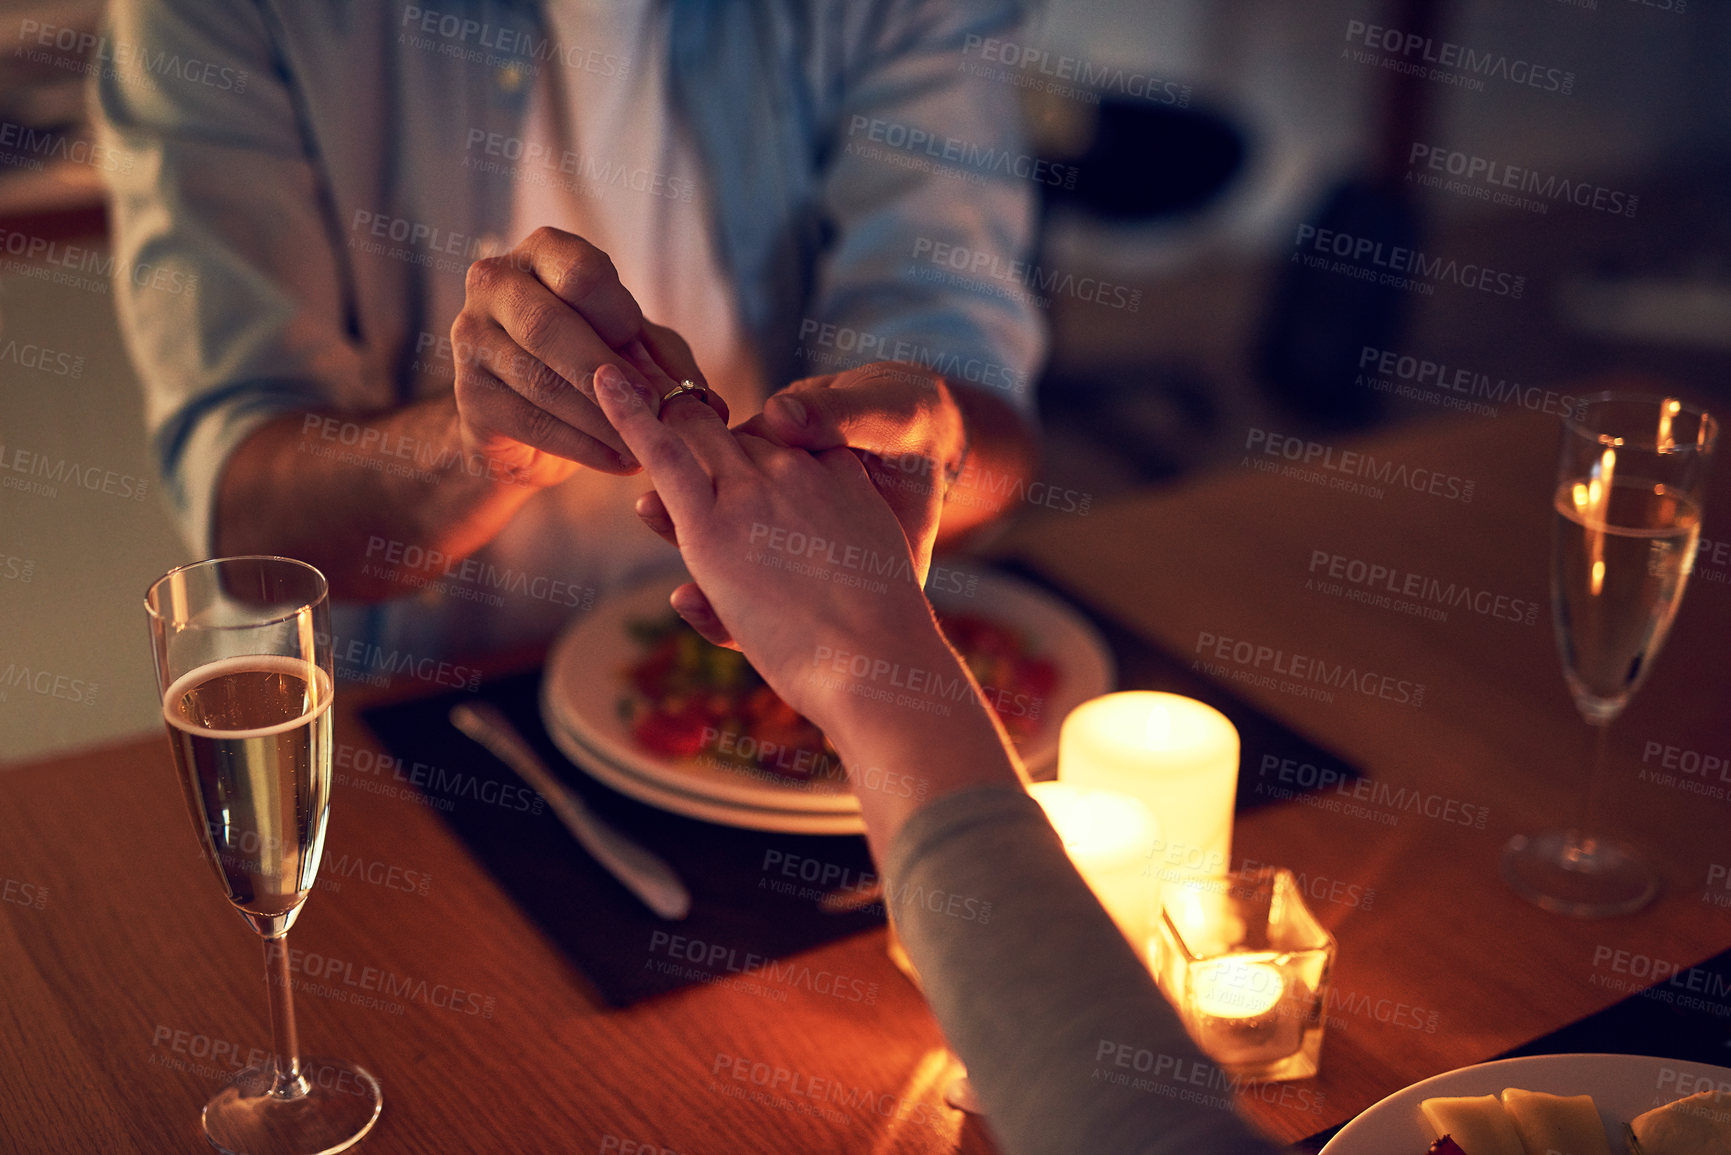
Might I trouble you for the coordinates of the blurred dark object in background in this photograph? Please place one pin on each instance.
(1146, 161)
(1321, 319)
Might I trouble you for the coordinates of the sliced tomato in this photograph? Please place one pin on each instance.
(676, 735)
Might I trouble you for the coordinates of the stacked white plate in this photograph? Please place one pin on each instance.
(586, 682)
(1622, 1087)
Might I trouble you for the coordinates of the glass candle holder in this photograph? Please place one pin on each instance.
(1247, 967)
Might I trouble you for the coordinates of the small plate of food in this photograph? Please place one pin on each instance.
(638, 700)
(1576, 1104)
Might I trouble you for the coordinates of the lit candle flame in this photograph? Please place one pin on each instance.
(1667, 411)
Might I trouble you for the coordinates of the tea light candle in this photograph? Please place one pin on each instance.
(1108, 837)
(1235, 989)
(1178, 756)
(1239, 1011)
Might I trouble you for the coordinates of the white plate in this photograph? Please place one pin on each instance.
(694, 806)
(1622, 1087)
(584, 684)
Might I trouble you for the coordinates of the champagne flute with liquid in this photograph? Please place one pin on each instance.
(1631, 476)
(243, 661)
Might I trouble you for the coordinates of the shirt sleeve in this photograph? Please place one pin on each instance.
(931, 194)
(1069, 1044)
(227, 282)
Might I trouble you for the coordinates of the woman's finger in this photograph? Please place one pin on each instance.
(685, 487)
(653, 513)
(692, 604)
(705, 434)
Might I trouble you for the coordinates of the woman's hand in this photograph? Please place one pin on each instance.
(796, 553)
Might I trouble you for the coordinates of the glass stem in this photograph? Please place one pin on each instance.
(288, 1083)
(1583, 839)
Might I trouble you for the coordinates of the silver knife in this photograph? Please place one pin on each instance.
(642, 872)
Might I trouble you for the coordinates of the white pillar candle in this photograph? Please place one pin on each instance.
(1176, 755)
(1108, 837)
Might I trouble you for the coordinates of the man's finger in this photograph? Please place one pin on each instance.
(493, 409)
(583, 277)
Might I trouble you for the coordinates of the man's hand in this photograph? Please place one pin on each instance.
(536, 324)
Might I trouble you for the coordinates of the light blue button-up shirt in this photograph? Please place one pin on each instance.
(303, 163)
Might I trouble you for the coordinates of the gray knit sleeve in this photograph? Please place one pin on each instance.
(1069, 1044)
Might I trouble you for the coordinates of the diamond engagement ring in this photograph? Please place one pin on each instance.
(680, 390)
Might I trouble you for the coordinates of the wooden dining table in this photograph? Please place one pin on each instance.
(128, 991)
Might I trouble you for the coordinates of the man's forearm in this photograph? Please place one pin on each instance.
(1002, 459)
(329, 487)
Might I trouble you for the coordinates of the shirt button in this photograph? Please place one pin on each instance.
(510, 78)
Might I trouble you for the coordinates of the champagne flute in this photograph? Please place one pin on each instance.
(243, 661)
(1631, 477)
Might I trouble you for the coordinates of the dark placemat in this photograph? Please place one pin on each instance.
(753, 894)
(1686, 1017)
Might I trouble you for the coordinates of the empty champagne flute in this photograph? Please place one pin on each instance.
(243, 661)
(1631, 477)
